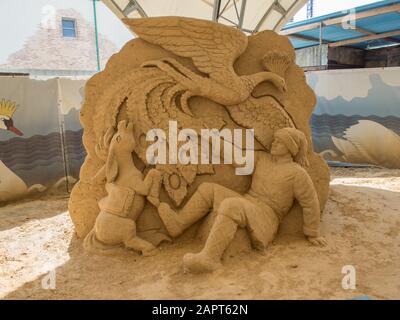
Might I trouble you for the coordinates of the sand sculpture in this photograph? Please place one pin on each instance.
(200, 75)
(126, 189)
(277, 181)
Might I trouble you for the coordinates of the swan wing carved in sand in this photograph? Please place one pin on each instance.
(213, 49)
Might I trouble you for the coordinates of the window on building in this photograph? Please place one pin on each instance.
(69, 28)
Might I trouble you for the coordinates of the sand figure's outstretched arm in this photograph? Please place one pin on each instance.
(151, 180)
(151, 187)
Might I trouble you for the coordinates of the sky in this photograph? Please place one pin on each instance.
(354, 84)
(23, 17)
(357, 91)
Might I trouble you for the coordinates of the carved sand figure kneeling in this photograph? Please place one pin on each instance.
(279, 178)
(126, 190)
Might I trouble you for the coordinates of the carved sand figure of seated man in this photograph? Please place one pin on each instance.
(126, 191)
(277, 181)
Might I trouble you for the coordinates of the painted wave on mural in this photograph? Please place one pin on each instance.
(360, 125)
(40, 158)
(40, 135)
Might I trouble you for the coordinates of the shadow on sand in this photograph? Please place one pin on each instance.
(289, 269)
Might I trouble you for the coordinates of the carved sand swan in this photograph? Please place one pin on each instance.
(213, 48)
(370, 142)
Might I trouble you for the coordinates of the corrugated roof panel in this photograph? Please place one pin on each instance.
(372, 6)
(276, 13)
(371, 44)
(332, 33)
(286, 4)
(272, 20)
(252, 18)
(298, 43)
(382, 23)
(196, 9)
(134, 15)
(121, 3)
(376, 24)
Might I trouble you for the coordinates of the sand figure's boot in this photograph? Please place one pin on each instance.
(209, 259)
(196, 208)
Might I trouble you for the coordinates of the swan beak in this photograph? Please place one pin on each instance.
(15, 130)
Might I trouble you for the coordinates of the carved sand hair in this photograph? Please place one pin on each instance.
(296, 142)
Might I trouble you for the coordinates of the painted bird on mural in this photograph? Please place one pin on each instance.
(7, 109)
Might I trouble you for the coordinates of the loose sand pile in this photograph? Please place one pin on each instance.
(361, 223)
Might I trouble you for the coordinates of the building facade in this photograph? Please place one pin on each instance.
(62, 40)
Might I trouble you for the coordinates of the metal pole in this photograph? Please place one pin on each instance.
(97, 35)
(216, 10)
(310, 9)
(320, 43)
(61, 124)
(241, 18)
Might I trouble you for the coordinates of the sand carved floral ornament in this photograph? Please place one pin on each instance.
(157, 91)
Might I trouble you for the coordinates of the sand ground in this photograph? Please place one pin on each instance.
(361, 222)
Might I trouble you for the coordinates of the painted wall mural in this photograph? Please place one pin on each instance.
(357, 119)
(40, 136)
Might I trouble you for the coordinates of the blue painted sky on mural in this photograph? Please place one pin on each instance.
(380, 98)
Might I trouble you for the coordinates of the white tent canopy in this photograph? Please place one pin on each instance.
(248, 15)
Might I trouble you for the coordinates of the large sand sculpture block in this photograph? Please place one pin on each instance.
(203, 75)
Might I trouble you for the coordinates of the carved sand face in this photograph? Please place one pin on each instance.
(123, 139)
(278, 148)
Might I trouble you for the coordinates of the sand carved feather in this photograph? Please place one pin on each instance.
(213, 49)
